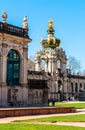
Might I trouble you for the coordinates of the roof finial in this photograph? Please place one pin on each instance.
(25, 22)
(50, 28)
(50, 24)
(4, 17)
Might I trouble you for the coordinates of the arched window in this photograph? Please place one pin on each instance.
(84, 87)
(13, 68)
(43, 65)
(81, 87)
(71, 87)
(58, 64)
(76, 87)
(59, 85)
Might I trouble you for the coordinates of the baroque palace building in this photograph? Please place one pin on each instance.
(20, 86)
(62, 83)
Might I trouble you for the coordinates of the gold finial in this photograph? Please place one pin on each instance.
(4, 17)
(50, 24)
(25, 22)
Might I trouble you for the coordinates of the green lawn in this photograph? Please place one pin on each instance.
(71, 118)
(22, 125)
(37, 127)
(76, 105)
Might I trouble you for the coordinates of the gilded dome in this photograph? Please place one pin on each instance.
(50, 41)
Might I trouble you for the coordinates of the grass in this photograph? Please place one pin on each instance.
(22, 125)
(64, 104)
(37, 127)
(71, 118)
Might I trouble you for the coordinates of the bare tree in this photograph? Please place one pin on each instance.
(32, 57)
(73, 64)
(31, 64)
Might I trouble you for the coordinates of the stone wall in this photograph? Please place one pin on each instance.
(11, 112)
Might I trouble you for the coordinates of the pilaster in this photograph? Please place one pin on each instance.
(24, 62)
(46, 66)
(4, 64)
(49, 65)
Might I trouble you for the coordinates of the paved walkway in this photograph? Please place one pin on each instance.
(78, 124)
(79, 111)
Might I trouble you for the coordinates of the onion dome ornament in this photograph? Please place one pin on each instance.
(50, 41)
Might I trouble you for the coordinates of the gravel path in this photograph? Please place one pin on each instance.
(78, 124)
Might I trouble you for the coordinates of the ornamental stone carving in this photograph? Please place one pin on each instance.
(4, 17)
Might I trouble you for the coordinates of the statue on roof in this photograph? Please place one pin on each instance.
(25, 23)
(4, 17)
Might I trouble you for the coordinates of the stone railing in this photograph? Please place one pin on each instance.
(13, 30)
(36, 72)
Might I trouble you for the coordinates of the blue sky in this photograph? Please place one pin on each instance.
(68, 17)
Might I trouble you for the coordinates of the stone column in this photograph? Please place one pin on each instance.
(68, 86)
(37, 66)
(65, 85)
(46, 66)
(53, 66)
(37, 63)
(63, 65)
(50, 66)
(78, 85)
